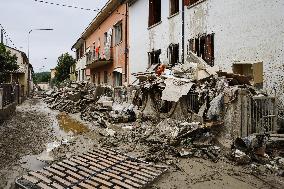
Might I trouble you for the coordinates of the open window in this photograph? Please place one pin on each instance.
(253, 70)
(105, 77)
(154, 57)
(203, 47)
(190, 2)
(173, 54)
(118, 33)
(174, 7)
(154, 12)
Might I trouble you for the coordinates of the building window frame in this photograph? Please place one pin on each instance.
(118, 31)
(155, 12)
(173, 54)
(174, 7)
(105, 77)
(154, 57)
(203, 46)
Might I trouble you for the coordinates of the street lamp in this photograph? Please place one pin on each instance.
(40, 29)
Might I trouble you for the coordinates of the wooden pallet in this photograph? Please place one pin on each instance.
(100, 168)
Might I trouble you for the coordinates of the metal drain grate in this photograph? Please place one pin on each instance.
(100, 168)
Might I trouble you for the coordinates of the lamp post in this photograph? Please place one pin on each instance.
(40, 29)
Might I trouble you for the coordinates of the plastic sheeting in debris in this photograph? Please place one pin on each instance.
(175, 89)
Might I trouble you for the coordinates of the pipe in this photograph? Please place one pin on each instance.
(2, 36)
(182, 33)
(126, 43)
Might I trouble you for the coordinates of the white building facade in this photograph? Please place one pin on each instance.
(231, 35)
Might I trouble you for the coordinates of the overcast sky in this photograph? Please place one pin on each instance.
(20, 16)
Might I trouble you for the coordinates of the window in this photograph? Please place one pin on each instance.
(174, 7)
(173, 54)
(105, 38)
(154, 12)
(252, 70)
(203, 47)
(190, 2)
(105, 77)
(99, 78)
(117, 79)
(154, 57)
(118, 33)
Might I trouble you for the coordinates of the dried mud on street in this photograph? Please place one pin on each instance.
(37, 135)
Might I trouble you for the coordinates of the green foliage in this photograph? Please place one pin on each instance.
(8, 63)
(41, 77)
(64, 62)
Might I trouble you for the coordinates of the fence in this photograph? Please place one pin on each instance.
(10, 94)
(263, 114)
(255, 114)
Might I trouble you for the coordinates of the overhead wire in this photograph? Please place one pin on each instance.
(7, 37)
(73, 7)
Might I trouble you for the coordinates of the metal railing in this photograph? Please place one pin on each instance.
(8, 94)
(96, 56)
(263, 114)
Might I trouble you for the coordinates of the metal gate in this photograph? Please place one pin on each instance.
(263, 116)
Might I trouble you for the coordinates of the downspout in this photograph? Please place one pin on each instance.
(182, 33)
(126, 43)
(2, 36)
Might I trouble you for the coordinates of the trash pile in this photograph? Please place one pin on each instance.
(190, 110)
(73, 97)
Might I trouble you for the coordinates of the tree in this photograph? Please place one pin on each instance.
(41, 77)
(8, 63)
(64, 62)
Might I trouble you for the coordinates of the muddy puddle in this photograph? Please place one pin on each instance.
(32, 163)
(70, 125)
(65, 128)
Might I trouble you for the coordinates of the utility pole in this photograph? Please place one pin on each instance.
(2, 36)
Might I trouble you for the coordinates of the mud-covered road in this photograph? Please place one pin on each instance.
(24, 134)
(35, 130)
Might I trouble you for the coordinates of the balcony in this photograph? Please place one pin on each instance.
(101, 58)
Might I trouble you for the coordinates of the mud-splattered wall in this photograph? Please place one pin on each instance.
(250, 31)
(244, 31)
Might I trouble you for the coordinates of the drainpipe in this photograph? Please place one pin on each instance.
(182, 33)
(126, 43)
(2, 36)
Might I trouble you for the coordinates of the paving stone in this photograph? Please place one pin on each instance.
(99, 169)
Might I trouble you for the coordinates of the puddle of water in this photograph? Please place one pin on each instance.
(68, 124)
(32, 163)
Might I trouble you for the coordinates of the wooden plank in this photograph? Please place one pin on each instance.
(41, 177)
(61, 180)
(79, 162)
(68, 166)
(44, 186)
(75, 175)
(95, 184)
(55, 171)
(30, 179)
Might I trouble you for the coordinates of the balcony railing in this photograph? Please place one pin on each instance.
(106, 55)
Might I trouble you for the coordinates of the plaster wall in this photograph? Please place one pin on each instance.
(249, 31)
(144, 39)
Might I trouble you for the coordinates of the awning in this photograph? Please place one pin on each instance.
(119, 70)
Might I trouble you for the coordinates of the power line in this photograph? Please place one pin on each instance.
(68, 6)
(73, 7)
(7, 36)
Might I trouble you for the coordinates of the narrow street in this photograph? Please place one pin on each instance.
(30, 135)
(25, 133)
(37, 133)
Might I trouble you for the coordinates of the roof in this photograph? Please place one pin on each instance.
(22, 53)
(109, 8)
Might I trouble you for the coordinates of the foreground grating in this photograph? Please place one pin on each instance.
(100, 168)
